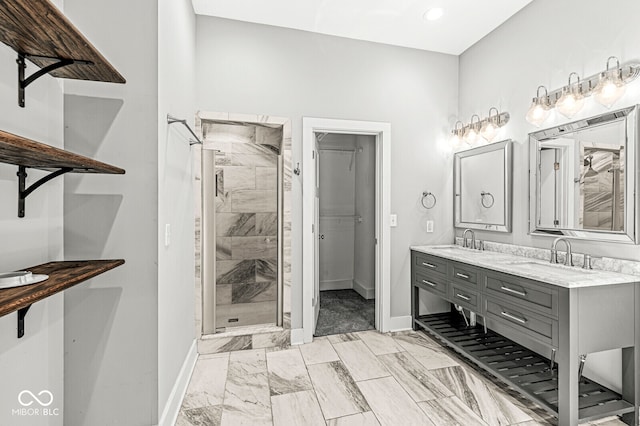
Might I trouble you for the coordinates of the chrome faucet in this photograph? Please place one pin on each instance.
(554, 251)
(473, 239)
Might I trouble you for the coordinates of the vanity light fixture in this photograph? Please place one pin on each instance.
(610, 87)
(433, 14)
(478, 131)
(571, 101)
(471, 133)
(491, 126)
(539, 109)
(606, 87)
(456, 135)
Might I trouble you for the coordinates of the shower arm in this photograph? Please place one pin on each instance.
(171, 120)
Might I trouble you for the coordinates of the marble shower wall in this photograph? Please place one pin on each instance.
(603, 194)
(246, 215)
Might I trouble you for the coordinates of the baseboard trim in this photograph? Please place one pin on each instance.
(367, 293)
(336, 285)
(297, 336)
(400, 323)
(172, 407)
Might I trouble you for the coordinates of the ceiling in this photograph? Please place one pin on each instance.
(395, 22)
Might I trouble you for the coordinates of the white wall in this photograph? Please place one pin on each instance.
(111, 322)
(259, 69)
(34, 362)
(176, 262)
(542, 44)
(365, 232)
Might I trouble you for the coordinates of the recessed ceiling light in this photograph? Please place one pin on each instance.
(433, 14)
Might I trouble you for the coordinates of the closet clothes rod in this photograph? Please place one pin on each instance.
(171, 119)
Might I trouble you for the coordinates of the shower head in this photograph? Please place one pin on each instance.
(590, 172)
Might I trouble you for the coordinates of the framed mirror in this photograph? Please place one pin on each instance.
(582, 178)
(482, 187)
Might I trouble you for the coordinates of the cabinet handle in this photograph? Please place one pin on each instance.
(463, 297)
(466, 277)
(510, 290)
(514, 317)
(428, 265)
(429, 283)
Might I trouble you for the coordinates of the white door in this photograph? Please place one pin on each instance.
(316, 248)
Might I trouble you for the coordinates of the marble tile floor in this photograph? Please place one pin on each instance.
(344, 311)
(362, 378)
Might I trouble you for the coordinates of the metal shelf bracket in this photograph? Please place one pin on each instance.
(22, 65)
(24, 192)
(21, 314)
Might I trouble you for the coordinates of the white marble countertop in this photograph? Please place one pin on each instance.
(527, 267)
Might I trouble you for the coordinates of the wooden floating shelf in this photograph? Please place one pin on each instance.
(28, 153)
(520, 368)
(39, 30)
(62, 275)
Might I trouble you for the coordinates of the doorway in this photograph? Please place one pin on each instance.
(316, 216)
(346, 233)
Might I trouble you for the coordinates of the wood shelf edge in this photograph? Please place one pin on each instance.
(13, 150)
(62, 275)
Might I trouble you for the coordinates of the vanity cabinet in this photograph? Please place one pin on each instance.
(537, 332)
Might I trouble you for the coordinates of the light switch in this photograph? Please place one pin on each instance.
(429, 226)
(393, 220)
(167, 234)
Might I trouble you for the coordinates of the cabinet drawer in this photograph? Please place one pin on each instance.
(464, 274)
(542, 328)
(431, 283)
(425, 264)
(523, 292)
(463, 296)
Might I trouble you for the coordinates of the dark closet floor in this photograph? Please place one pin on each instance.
(344, 311)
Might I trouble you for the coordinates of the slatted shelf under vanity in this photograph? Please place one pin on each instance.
(519, 367)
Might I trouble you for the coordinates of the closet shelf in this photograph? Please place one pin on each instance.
(62, 275)
(38, 31)
(26, 153)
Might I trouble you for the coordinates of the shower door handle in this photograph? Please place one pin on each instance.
(321, 236)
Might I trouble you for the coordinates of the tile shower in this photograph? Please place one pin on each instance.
(252, 188)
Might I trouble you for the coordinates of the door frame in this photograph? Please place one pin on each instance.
(382, 132)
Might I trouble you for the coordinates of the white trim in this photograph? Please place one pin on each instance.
(400, 323)
(297, 336)
(382, 131)
(336, 285)
(366, 292)
(172, 407)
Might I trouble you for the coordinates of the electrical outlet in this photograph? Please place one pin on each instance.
(167, 234)
(429, 226)
(393, 220)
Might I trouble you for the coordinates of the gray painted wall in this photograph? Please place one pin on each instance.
(176, 262)
(258, 69)
(504, 70)
(34, 362)
(111, 322)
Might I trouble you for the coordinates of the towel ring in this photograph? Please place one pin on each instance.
(482, 199)
(429, 204)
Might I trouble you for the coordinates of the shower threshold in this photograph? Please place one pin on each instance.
(244, 330)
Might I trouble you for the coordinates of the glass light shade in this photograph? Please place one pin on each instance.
(570, 103)
(455, 141)
(609, 89)
(489, 130)
(471, 136)
(538, 112)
